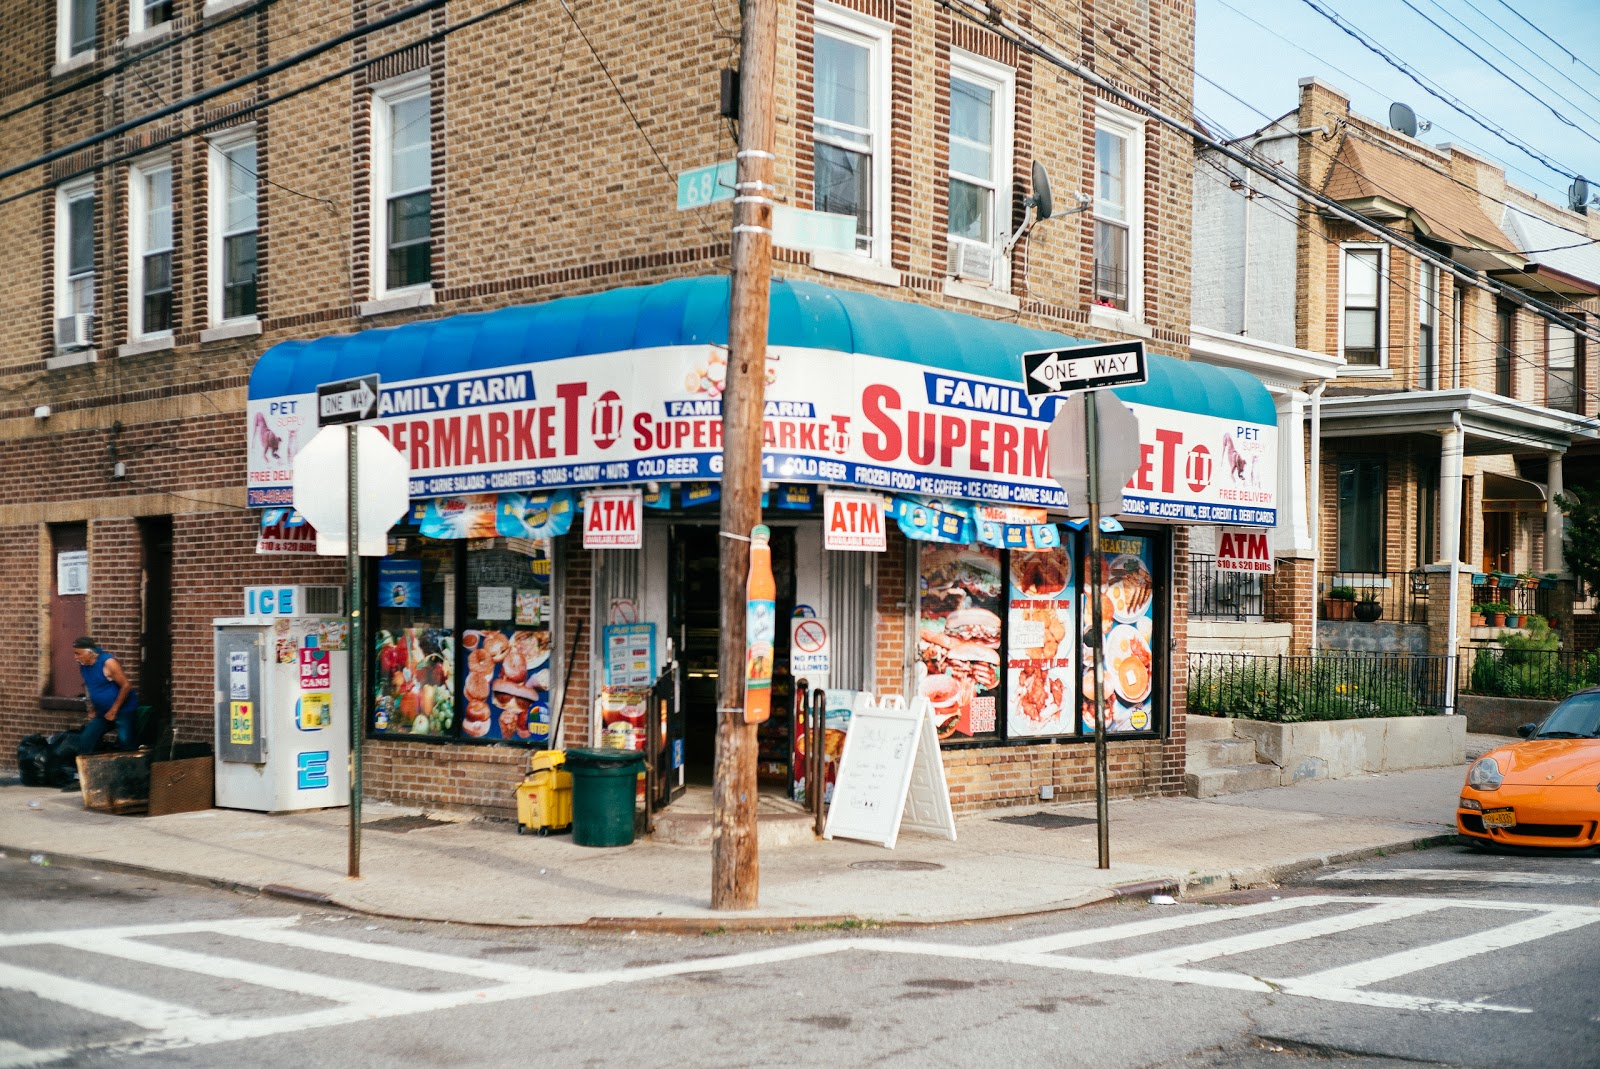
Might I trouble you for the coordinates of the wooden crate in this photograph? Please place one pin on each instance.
(115, 782)
(183, 786)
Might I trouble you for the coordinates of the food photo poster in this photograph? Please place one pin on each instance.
(1040, 664)
(1127, 606)
(961, 594)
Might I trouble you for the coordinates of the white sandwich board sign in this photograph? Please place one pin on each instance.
(890, 774)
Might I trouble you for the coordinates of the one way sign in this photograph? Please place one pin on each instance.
(347, 401)
(1084, 367)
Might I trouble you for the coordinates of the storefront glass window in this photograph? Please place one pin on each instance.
(1041, 676)
(958, 647)
(507, 642)
(414, 645)
(1127, 620)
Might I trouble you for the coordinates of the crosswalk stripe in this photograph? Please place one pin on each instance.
(249, 972)
(394, 955)
(122, 1005)
(1389, 966)
(1531, 879)
(142, 931)
(1271, 937)
(1061, 941)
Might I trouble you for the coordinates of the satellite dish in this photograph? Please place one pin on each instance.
(1040, 200)
(1578, 195)
(1402, 118)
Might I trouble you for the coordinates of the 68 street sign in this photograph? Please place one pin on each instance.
(347, 401)
(1084, 367)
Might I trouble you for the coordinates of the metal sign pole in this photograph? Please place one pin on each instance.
(357, 649)
(1091, 435)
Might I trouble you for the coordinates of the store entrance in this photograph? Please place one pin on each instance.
(694, 607)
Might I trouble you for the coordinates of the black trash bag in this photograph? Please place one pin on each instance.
(33, 751)
(61, 768)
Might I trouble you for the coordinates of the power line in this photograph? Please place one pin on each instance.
(1360, 36)
(1520, 42)
(1575, 58)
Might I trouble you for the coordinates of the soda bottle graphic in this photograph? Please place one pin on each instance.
(760, 633)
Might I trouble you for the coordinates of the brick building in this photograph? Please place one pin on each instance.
(182, 275)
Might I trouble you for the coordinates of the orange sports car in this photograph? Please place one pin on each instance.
(1544, 791)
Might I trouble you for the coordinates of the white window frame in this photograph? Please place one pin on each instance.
(137, 23)
(1002, 81)
(1549, 350)
(64, 53)
(384, 98)
(877, 38)
(138, 236)
(1427, 309)
(65, 195)
(1381, 338)
(1130, 127)
(216, 214)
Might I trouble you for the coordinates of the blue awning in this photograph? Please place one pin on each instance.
(693, 311)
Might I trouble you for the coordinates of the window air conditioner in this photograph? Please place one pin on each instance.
(971, 260)
(75, 331)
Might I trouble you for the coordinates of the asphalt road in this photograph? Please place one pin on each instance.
(1443, 957)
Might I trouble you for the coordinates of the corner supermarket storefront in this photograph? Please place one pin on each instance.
(489, 600)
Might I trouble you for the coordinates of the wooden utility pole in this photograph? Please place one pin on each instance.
(735, 867)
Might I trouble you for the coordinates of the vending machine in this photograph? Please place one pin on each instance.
(283, 712)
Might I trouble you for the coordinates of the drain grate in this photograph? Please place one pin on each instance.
(403, 824)
(1046, 820)
(897, 866)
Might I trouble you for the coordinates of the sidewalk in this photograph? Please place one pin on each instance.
(484, 873)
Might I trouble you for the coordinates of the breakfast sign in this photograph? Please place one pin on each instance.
(843, 419)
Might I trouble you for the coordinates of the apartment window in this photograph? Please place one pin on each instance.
(980, 142)
(1561, 378)
(233, 236)
(1363, 306)
(1428, 327)
(148, 14)
(1458, 327)
(1505, 316)
(403, 201)
(1362, 513)
(150, 271)
(1427, 511)
(77, 26)
(74, 263)
(1118, 203)
(850, 125)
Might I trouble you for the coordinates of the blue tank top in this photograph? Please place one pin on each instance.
(103, 692)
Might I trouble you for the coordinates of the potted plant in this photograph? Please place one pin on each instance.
(1528, 580)
(1547, 581)
(1339, 603)
(1513, 619)
(1478, 618)
(1368, 609)
(1495, 613)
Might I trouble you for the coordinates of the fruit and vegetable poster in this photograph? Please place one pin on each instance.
(1127, 605)
(1041, 672)
(414, 680)
(958, 637)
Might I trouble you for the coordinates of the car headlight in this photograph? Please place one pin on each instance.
(1485, 775)
(1470, 803)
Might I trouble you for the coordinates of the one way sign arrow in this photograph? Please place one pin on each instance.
(1084, 367)
(347, 401)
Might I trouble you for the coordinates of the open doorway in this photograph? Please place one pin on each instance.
(694, 596)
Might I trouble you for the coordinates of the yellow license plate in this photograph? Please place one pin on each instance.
(1500, 818)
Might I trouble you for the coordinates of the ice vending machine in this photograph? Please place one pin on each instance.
(283, 713)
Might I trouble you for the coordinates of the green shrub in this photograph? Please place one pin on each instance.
(1299, 690)
(1343, 593)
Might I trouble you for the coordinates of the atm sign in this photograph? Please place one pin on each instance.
(853, 521)
(1243, 549)
(613, 519)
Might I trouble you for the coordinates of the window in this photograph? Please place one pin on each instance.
(1362, 512)
(150, 269)
(1428, 327)
(1118, 204)
(1561, 379)
(233, 233)
(980, 143)
(148, 14)
(403, 186)
(1363, 306)
(74, 260)
(77, 26)
(850, 126)
(1505, 316)
(1458, 327)
(1427, 511)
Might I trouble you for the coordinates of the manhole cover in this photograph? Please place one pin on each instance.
(1046, 820)
(897, 866)
(403, 824)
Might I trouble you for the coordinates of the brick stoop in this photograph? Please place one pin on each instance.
(1218, 763)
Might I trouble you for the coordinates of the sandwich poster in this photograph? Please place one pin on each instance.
(1127, 606)
(958, 637)
(1041, 673)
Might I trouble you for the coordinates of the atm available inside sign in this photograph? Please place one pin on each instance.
(1243, 549)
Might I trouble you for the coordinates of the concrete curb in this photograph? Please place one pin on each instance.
(1194, 885)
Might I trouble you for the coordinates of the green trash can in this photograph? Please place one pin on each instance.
(604, 784)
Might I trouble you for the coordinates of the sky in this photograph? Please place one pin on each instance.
(1258, 50)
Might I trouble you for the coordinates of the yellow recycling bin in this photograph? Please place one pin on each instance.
(544, 797)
